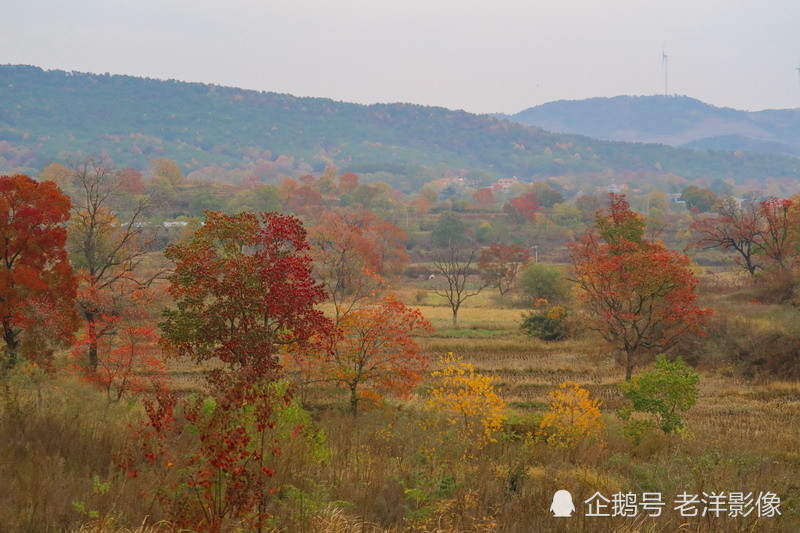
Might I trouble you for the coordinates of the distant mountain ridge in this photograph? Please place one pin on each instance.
(45, 115)
(677, 121)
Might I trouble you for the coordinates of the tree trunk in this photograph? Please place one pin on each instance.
(354, 400)
(91, 331)
(628, 365)
(11, 342)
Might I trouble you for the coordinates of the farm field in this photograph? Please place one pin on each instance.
(271, 373)
(390, 469)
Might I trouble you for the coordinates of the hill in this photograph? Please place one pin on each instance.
(671, 120)
(46, 114)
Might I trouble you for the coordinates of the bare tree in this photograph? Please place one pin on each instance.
(453, 265)
(106, 251)
(736, 227)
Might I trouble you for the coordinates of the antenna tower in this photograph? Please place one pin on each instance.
(797, 68)
(664, 65)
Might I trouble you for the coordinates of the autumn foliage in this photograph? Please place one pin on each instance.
(375, 350)
(573, 417)
(107, 252)
(213, 456)
(523, 208)
(128, 354)
(735, 228)
(243, 291)
(468, 399)
(243, 288)
(352, 251)
(763, 234)
(371, 353)
(37, 285)
(640, 295)
(501, 263)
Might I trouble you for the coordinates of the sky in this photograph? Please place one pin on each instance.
(487, 56)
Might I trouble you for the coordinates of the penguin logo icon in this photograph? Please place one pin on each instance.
(562, 505)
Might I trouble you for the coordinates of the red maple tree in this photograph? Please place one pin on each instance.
(37, 285)
(243, 288)
(523, 208)
(243, 292)
(640, 294)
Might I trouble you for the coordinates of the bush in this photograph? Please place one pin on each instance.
(551, 325)
(540, 281)
(573, 417)
(663, 393)
(753, 347)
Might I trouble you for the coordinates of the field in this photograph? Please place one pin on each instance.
(396, 468)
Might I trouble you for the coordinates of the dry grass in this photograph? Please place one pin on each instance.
(396, 469)
(103, 527)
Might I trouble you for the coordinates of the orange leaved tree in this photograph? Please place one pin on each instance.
(352, 249)
(37, 285)
(124, 339)
(640, 294)
(372, 352)
(108, 242)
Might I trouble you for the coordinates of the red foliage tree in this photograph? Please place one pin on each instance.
(619, 224)
(779, 233)
(352, 248)
(500, 263)
(131, 360)
(641, 295)
(106, 251)
(348, 182)
(127, 345)
(762, 233)
(130, 181)
(735, 227)
(301, 198)
(523, 208)
(37, 285)
(213, 456)
(243, 288)
(483, 198)
(243, 291)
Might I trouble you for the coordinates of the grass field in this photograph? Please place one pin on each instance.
(395, 468)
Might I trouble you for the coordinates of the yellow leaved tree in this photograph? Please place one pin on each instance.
(573, 417)
(468, 400)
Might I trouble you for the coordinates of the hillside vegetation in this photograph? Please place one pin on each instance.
(45, 114)
(671, 120)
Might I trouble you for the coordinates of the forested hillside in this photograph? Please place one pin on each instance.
(45, 114)
(672, 120)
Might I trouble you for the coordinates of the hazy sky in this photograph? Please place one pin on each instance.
(482, 56)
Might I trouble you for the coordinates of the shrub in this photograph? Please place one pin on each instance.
(468, 400)
(552, 325)
(542, 281)
(573, 416)
(663, 393)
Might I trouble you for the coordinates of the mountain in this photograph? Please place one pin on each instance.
(45, 115)
(671, 120)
